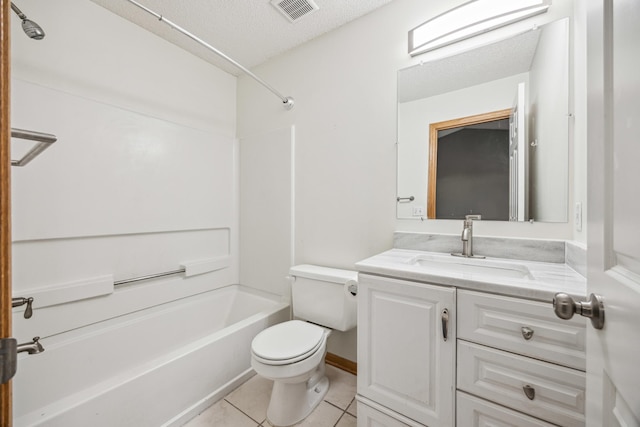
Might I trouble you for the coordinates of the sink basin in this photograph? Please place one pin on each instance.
(472, 266)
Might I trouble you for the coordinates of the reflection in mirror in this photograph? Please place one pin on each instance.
(527, 74)
(467, 156)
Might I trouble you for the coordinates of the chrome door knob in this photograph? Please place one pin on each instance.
(564, 307)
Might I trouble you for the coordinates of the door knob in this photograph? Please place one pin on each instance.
(564, 307)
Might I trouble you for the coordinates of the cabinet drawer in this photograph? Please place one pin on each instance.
(474, 412)
(520, 326)
(371, 414)
(550, 392)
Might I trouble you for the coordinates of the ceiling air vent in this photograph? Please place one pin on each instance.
(294, 10)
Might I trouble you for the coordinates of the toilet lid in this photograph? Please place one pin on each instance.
(289, 340)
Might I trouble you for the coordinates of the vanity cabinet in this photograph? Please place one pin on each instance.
(506, 361)
(406, 349)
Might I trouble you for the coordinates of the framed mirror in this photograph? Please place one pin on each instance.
(526, 79)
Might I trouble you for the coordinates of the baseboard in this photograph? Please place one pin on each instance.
(342, 363)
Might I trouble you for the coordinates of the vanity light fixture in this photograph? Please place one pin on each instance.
(470, 19)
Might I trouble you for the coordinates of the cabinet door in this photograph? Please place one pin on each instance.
(404, 361)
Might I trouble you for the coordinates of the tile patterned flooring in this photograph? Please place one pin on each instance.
(246, 406)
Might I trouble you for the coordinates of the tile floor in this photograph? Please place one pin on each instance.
(246, 406)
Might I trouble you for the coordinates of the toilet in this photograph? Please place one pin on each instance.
(292, 353)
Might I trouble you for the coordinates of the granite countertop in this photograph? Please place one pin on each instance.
(543, 282)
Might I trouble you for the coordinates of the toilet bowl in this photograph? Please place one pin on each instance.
(296, 367)
(292, 353)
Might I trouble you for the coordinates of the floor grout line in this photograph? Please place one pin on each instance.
(263, 422)
(335, 406)
(258, 423)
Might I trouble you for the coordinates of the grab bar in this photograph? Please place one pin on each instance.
(150, 276)
(44, 139)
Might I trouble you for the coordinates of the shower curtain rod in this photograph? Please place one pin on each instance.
(286, 100)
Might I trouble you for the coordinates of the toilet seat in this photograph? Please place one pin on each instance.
(287, 342)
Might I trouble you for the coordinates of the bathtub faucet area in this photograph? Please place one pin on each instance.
(33, 347)
(18, 302)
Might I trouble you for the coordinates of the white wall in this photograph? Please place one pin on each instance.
(266, 210)
(93, 53)
(143, 176)
(548, 124)
(344, 84)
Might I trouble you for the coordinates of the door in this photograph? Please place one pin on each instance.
(5, 199)
(406, 348)
(518, 158)
(613, 375)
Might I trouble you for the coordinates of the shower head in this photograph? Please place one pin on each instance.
(32, 29)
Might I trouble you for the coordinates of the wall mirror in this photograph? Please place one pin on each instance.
(522, 84)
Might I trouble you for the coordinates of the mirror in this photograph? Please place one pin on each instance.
(526, 74)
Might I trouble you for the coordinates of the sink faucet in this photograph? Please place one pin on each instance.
(33, 347)
(467, 237)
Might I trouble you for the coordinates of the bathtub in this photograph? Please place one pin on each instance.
(157, 367)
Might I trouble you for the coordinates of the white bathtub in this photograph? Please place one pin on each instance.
(158, 367)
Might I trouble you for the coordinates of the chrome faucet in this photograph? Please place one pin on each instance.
(33, 347)
(467, 237)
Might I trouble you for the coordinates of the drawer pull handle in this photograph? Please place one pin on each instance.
(527, 333)
(445, 324)
(529, 391)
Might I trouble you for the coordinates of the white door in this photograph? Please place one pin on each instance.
(517, 158)
(613, 371)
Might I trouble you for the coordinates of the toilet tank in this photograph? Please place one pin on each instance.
(324, 296)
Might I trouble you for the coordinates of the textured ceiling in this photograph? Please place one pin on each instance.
(483, 64)
(248, 31)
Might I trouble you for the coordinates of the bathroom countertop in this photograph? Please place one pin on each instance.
(545, 280)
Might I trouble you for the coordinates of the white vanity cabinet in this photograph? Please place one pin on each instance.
(517, 354)
(406, 351)
(506, 361)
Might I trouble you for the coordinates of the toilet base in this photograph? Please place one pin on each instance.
(291, 403)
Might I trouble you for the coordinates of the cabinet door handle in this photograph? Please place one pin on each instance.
(445, 324)
(529, 391)
(527, 333)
